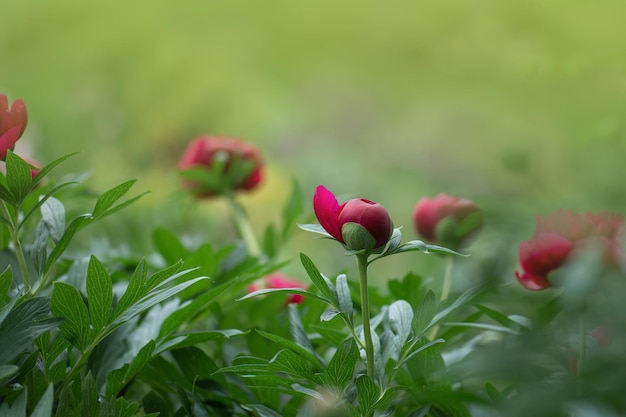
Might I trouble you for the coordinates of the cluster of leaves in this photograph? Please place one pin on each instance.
(175, 334)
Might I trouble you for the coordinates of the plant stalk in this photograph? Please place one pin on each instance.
(242, 223)
(365, 314)
(17, 245)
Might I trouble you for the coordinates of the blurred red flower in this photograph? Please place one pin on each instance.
(558, 234)
(213, 165)
(447, 220)
(12, 124)
(358, 223)
(277, 281)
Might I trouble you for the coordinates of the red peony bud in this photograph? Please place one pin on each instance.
(359, 224)
(215, 165)
(447, 220)
(560, 233)
(12, 124)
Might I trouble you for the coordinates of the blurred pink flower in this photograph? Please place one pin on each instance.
(277, 281)
(447, 220)
(230, 165)
(558, 234)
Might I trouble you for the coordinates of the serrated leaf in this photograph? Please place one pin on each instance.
(367, 394)
(108, 198)
(19, 178)
(67, 303)
(53, 214)
(340, 369)
(99, 294)
(317, 278)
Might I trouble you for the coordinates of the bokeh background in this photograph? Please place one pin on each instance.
(519, 106)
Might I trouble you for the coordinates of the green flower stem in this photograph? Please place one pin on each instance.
(19, 252)
(365, 313)
(447, 279)
(445, 291)
(242, 223)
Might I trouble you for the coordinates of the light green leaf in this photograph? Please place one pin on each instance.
(67, 303)
(315, 228)
(53, 214)
(425, 312)
(343, 296)
(289, 362)
(99, 294)
(108, 198)
(169, 246)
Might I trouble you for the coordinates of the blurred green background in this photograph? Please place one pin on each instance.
(518, 106)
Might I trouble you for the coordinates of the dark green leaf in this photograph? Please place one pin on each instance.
(67, 303)
(261, 410)
(44, 406)
(99, 294)
(19, 178)
(6, 280)
(90, 396)
(42, 200)
(291, 363)
(286, 343)
(135, 289)
(344, 297)
(76, 224)
(117, 379)
(340, 369)
(297, 329)
(367, 394)
(7, 370)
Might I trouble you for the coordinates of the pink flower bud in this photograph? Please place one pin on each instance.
(12, 124)
(447, 220)
(359, 224)
(215, 165)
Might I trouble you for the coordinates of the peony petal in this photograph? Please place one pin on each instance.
(532, 282)
(326, 210)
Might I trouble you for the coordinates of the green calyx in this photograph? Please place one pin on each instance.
(356, 237)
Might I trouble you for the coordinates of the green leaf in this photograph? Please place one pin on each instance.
(297, 329)
(108, 198)
(46, 169)
(135, 289)
(400, 319)
(461, 300)
(19, 178)
(340, 369)
(418, 245)
(425, 312)
(300, 291)
(6, 280)
(117, 379)
(44, 406)
(315, 228)
(261, 410)
(289, 362)
(344, 298)
(42, 200)
(67, 303)
(22, 325)
(501, 318)
(169, 246)
(367, 394)
(484, 326)
(286, 343)
(418, 350)
(90, 396)
(76, 224)
(53, 214)
(7, 370)
(5, 195)
(99, 294)
(318, 279)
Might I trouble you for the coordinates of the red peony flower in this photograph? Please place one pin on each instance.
(359, 224)
(216, 165)
(447, 220)
(12, 124)
(278, 280)
(558, 234)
